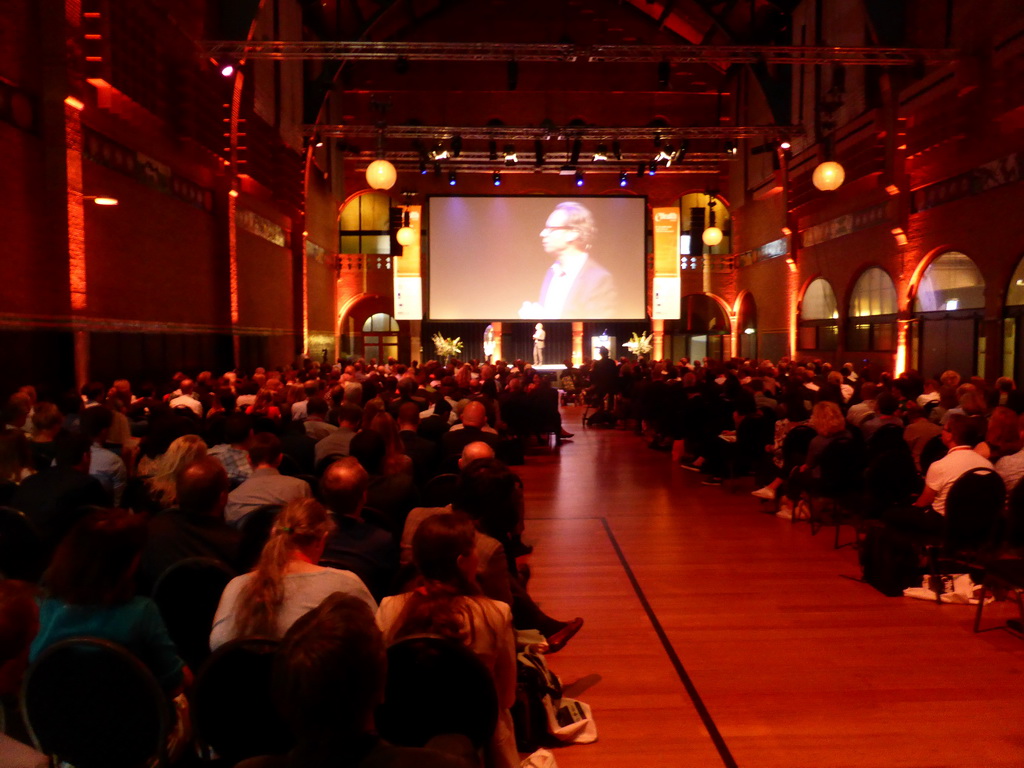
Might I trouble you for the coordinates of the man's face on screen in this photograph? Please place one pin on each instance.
(556, 237)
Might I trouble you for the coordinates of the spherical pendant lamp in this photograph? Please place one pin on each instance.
(828, 176)
(405, 236)
(380, 174)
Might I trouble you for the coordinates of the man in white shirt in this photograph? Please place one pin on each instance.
(187, 399)
(575, 286)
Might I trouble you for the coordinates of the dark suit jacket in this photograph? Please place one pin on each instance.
(591, 295)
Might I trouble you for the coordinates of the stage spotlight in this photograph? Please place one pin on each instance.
(601, 153)
(439, 152)
(652, 168)
(664, 155)
(452, 181)
(437, 169)
(496, 178)
(785, 144)
(616, 150)
(579, 178)
(538, 153)
(492, 150)
(577, 146)
(731, 148)
(423, 168)
(510, 155)
(227, 69)
(622, 179)
(456, 145)
(641, 169)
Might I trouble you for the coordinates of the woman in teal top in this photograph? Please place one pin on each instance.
(90, 591)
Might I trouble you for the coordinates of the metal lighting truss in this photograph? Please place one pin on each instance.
(540, 52)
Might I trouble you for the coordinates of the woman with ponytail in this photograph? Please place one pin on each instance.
(287, 582)
(448, 603)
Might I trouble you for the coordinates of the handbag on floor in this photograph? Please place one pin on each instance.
(541, 715)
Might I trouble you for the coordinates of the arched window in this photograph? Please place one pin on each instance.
(1013, 319)
(819, 317)
(365, 225)
(380, 337)
(951, 282)
(701, 330)
(949, 305)
(871, 324)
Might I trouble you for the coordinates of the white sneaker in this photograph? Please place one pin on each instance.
(764, 493)
(786, 513)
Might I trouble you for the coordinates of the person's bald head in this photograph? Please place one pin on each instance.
(474, 414)
(474, 451)
(343, 486)
(202, 488)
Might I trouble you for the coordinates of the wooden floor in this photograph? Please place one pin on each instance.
(716, 635)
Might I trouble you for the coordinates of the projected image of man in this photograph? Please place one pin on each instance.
(575, 285)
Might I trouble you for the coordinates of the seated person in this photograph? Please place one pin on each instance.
(266, 485)
(366, 549)
(287, 582)
(329, 676)
(448, 602)
(91, 591)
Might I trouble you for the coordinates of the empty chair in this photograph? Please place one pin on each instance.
(92, 704)
(436, 686)
(233, 710)
(187, 594)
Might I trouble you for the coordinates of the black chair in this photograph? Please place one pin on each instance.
(91, 703)
(1007, 575)
(440, 490)
(836, 499)
(255, 532)
(233, 709)
(972, 528)
(187, 594)
(22, 554)
(933, 450)
(436, 686)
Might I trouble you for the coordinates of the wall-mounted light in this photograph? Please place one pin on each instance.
(786, 231)
(101, 200)
(749, 331)
(952, 304)
(900, 235)
(227, 69)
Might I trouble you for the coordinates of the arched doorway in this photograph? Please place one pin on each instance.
(702, 330)
(746, 326)
(949, 304)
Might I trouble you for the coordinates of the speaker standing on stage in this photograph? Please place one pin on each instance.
(538, 344)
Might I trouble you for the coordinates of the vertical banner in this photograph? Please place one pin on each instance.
(408, 280)
(666, 289)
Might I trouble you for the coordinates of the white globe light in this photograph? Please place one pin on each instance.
(828, 176)
(380, 174)
(712, 236)
(405, 236)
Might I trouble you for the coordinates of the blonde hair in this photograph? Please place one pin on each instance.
(827, 419)
(185, 450)
(300, 524)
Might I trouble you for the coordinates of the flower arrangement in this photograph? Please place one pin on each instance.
(447, 347)
(640, 344)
